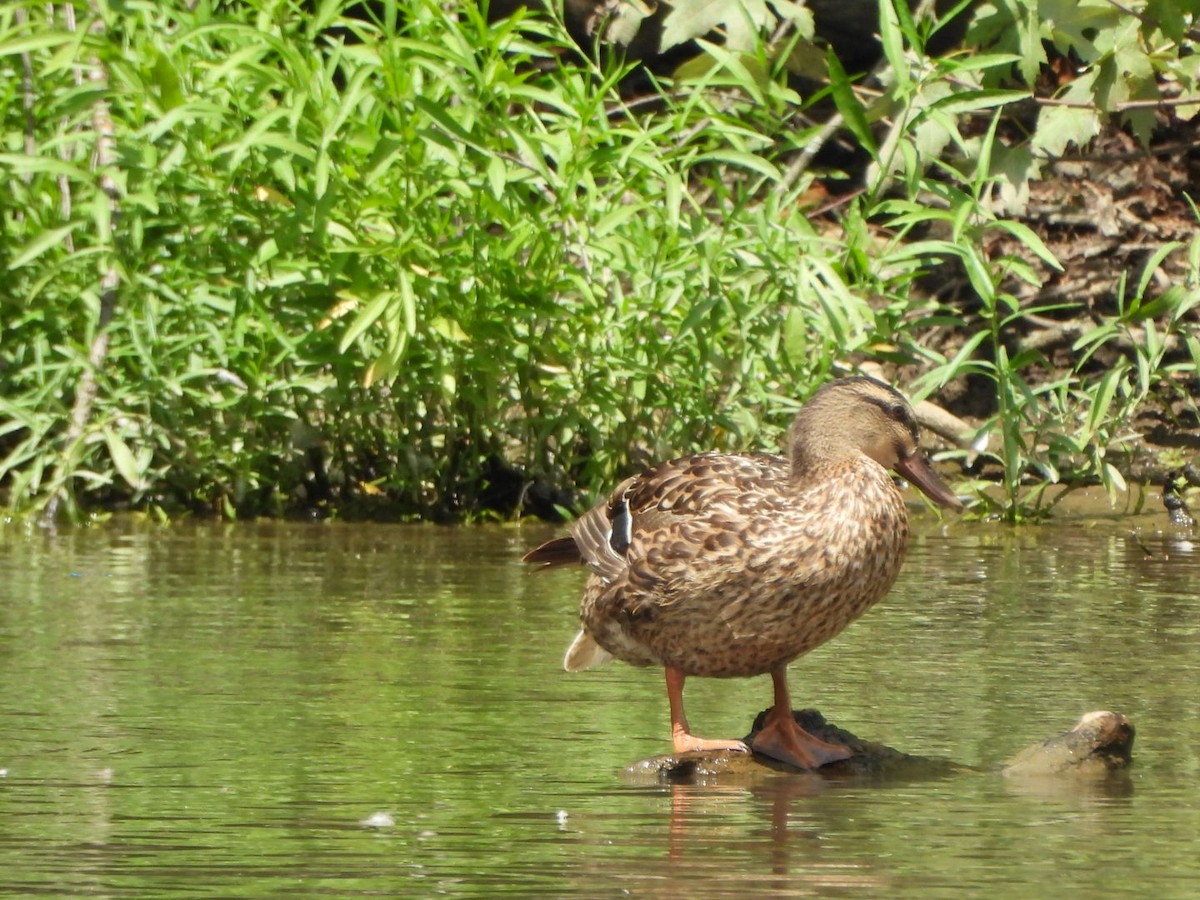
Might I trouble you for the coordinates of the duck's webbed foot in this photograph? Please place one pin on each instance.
(782, 739)
(685, 742)
(681, 734)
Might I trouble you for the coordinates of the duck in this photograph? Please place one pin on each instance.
(732, 565)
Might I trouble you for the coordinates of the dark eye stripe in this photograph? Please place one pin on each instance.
(898, 412)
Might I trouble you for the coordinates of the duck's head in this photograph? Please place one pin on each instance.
(852, 416)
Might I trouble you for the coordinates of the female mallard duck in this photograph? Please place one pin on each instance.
(728, 565)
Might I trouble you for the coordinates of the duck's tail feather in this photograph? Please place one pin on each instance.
(561, 551)
(584, 653)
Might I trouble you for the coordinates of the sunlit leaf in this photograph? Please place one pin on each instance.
(1029, 239)
(848, 104)
(40, 244)
(123, 459)
(741, 20)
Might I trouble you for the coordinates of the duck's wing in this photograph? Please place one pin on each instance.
(666, 503)
(592, 537)
(561, 551)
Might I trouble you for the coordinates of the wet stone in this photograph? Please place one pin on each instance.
(1099, 746)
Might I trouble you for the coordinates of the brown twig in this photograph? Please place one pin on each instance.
(801, 163)
(1166, 149)
(1149, 21)
(834, 202)
(1124, 105)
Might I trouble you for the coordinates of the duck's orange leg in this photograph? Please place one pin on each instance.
(781, 738)
(681, 736)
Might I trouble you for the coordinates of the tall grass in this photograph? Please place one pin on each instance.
(410, 253)
(385, 261)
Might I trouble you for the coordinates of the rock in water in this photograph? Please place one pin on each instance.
(1100, 743)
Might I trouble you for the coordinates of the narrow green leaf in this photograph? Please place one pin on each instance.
(40, 245)
(1193, 347)
(447, 123)
(1103, 397)
(321, 173)
(979, 275)
(1152, 264)
(1029, 239)
(22, 164)
(848, 105)
(165, 78)
(352, 95)
(367, 317)
(497, 177)
(1171, 303)
(893, 41)
(978, 62)
(964, 102)
(736, 64)
(615, 219)
(1114, 481)
(123, 459)
(1094, 339)
(383, 158)
(408, 303)
(740, 160)
(673, 201)
(33, 42)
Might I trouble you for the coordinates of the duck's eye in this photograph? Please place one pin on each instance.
(897, 412)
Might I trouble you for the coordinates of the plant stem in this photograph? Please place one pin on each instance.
(85, 394)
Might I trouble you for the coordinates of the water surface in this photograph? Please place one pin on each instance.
(352, 710)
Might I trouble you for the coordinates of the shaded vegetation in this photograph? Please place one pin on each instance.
(427, 264)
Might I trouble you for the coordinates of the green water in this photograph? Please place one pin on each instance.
(338, 711)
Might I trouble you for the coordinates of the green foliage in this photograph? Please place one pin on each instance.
(1124, 60)
(1048, 427)
(405, 249)
(311, 259)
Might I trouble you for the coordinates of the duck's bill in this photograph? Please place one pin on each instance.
(916, 469)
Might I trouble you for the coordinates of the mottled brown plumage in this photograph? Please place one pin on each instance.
(728, 565)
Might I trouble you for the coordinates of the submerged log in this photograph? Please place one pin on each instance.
(1100, 745)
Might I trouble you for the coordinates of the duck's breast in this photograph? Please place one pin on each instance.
(737, 592)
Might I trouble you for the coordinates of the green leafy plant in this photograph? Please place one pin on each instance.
(259, 262)
(371, 265)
